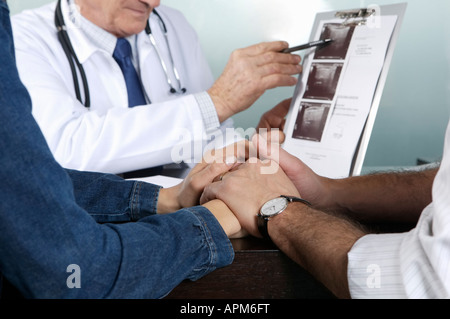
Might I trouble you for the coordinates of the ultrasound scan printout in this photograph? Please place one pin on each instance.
(335, 93)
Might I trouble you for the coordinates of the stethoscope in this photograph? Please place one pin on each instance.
(75, 63)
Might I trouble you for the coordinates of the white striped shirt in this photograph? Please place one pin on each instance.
(415, 264)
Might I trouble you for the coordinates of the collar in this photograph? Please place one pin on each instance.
(99, 37)
(87, 37)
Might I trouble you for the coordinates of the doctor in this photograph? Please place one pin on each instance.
(90, 125)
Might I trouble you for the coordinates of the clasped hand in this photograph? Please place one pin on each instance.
(243, 176)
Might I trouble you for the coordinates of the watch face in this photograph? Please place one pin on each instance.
(274, 207)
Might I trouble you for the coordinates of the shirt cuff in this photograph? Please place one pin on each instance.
(144, 200)
(374, 267)
(221, 252)
(208, 110)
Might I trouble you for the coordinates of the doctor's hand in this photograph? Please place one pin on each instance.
(249, 73)
(246, 188)
(275, 119)
(188, 192)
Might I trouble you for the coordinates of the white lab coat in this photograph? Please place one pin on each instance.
(110, 137)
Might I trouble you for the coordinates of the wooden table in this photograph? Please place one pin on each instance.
(259, 271)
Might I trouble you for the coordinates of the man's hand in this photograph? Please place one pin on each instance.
(249, 73)
(312, 186)
(245, 189)
(383, 197)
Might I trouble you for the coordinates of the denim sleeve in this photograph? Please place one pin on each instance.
(110, 199)
(50, 247)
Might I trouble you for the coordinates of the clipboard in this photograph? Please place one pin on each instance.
(349, 18)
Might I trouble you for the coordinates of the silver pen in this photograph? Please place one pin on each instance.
(308, 45)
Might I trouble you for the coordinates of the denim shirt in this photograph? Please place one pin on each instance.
(57, 236)
(110, 199)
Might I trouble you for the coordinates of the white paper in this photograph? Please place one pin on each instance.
(164, 181)
(323, 129)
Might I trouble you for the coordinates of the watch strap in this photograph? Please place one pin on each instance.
(262, 227)
(292, 199)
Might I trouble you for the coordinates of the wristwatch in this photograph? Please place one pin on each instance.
(273, 208)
